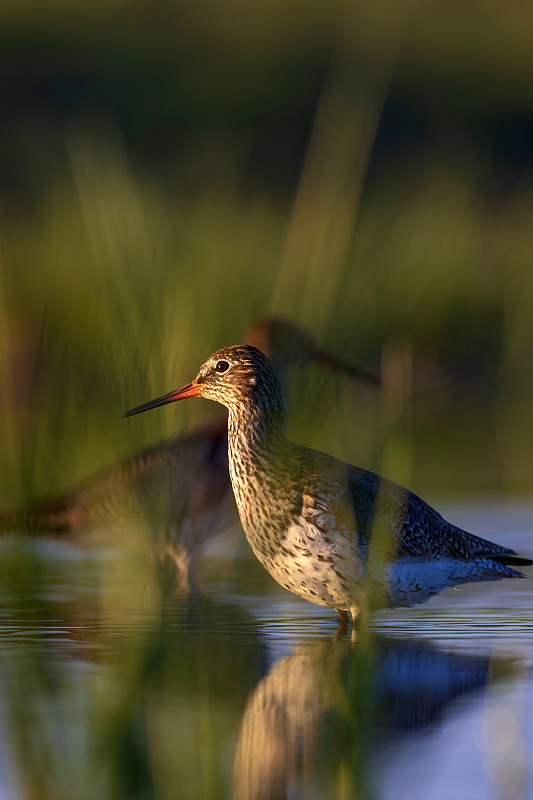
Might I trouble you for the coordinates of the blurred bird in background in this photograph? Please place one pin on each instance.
(179, 488)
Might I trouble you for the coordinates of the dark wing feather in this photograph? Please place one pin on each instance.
(415, 530)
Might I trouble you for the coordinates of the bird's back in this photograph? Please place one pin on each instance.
(162, 485)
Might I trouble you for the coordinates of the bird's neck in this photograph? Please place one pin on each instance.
(256, 429)
(258, 457)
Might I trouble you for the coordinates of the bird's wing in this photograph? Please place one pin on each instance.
(379, 516)
(402, 525)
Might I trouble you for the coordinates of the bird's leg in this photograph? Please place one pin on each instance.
(185, 564)
(343, 619)
(355, 615)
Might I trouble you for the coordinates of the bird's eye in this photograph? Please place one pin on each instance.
(221, 366)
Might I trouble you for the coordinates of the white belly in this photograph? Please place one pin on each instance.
(328, 575)
(412, 582)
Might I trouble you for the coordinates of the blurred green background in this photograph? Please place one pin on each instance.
(171, 171)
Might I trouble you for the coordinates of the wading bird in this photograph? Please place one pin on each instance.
(180, 487)
(335, 534)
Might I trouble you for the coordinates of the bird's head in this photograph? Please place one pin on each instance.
(288, 345)
(234, 376)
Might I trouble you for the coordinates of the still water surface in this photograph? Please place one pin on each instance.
(111, 687)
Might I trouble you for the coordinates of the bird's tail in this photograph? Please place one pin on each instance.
(509, 559)
(484, 548)
(45, 517)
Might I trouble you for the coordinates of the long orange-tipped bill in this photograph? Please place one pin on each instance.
(331, 362)
(189, 390)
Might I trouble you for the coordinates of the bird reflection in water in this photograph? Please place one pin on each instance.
(321, 713)
(165, 691)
